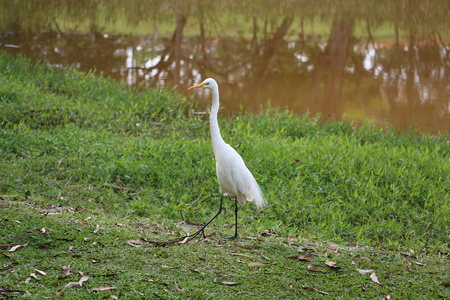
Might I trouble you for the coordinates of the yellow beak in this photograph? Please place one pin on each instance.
(197, 86)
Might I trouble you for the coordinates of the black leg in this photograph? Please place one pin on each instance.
(235, 220)
(202, 230)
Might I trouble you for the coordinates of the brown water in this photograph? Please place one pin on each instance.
(400, 79)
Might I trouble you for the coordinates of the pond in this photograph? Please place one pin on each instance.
(348, 59)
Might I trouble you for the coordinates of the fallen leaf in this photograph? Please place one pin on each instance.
(14, 248)
(332, 264)
(71, 284)
(418, 263)
(291, 287)
(103, 288)
(185, 240)
(304, 257)
(195, 271)
(315, 290)
(33, 275)
(446, 284)
(24, 155)
(40, 272)
(374, 278)
(292, 257)
(166, 267)
(229, 283)
(45, 245)
(267, 233)
(9, 271)
(257, 264)
(331, 250)
(4, 246)
(177, 287)
(364, 272)
(68, 270)
(83, 279)
(241, 261)
(59, 163)
(97, 227)
(84, 223)
(138, 243)
(241, 254)
(313, 268)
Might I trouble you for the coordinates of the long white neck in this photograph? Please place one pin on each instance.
(216, 138)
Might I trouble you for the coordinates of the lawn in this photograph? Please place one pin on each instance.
(93, 171)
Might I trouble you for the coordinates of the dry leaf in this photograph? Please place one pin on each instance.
(9, 271)
(364, 272)
(40, 272)
(291, 287)
(374, 278)
(185, 240)
(83, 279)
(332, 264)
(446, 284)
(292, 257)
(312, 267)
(257, 265)
(331, 250)
(229, 283)
(59, 163)
(177, 287)
(84, 223)
(304, 257)
(103, 288)
(166, 267)
(195, 271)
(71, 284)
(24, 155)
(27, 281)
(138, 243)
(241, 254)
(315, 290)
(68, 270)
(97, 227)
(14, 248)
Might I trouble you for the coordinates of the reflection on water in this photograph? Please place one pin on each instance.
(401, 84)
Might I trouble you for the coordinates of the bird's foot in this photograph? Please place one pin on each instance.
(194, 235)
(232, 238)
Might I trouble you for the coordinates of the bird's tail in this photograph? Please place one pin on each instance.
(255, 194)
(259, 199)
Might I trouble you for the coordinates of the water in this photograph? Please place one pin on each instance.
(334, 66)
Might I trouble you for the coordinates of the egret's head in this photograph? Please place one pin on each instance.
(207, 83)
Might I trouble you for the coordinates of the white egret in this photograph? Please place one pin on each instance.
(235, 180)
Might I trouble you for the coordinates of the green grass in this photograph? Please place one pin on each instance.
(69, 141)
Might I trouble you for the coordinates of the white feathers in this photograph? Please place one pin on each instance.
(234, 177)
